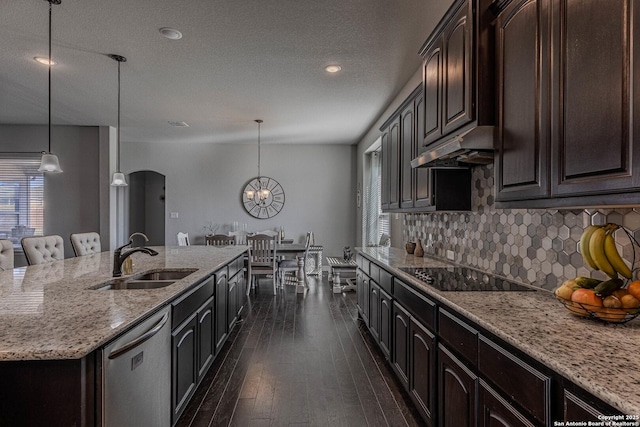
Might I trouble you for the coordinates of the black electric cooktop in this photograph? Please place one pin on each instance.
(462, 279)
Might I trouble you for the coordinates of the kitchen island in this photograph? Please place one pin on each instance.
(54, 325)
(599, 358)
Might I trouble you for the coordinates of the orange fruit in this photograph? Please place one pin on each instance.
(612, 315)
(585, 301)
(634, 288)
(587, 297)
(629, 301)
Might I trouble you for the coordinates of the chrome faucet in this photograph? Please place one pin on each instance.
(119, 256)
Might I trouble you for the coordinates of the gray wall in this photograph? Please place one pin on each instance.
(72, 198)
(204, 183)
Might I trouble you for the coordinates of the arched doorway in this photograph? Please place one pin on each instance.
(146, 205)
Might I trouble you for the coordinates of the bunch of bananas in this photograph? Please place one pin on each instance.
(598, 249)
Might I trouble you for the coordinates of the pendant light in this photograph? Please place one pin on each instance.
(118, 177)
(262, 193)
(49, 161)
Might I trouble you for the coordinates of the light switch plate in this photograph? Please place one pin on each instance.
(174, 214)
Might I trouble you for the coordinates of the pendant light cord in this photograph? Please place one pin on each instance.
(259, 122)
(50, 7)
(118, 144)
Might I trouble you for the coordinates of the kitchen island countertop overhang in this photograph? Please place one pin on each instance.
(49, 312)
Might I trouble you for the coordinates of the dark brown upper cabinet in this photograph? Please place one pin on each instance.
(405, 189)
(458, 72)
(568, 103)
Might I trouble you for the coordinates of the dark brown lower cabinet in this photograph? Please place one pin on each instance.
(385, 312)
(362, 289)
(232, 302)
(221, 292)
(206, 349)
(576, 409)
(422, 369)
(184, 344)
(457, 391)
(494, 411)
(400, 348)
(374, 310)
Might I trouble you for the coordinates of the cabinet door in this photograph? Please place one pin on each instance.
(407, 153)
(421, 184)
(385, 323)
(184, 369)
(385, 153)
(457, 79)
(432, 78)
(494, 411)
(221, 310)
(576, 409)
(240, 291)
(422, 362)
(400, 346)
(394, 164)
(232, 301)
(206, 348)
(523, 67)
(596, 96)
(457, 391)
(374, 310)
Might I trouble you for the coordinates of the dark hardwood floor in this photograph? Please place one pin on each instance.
(300, 360)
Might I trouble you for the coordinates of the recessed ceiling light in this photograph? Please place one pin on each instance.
(179, 124)
(333, 68)
(44, 61)
(171, 33)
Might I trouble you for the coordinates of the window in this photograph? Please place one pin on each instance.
(375, 222)
(21, 197)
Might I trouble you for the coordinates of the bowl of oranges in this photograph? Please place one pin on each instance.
(606, 300)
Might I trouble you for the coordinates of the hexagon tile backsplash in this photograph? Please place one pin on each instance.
(533, 246)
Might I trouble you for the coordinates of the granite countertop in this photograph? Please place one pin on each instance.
(47, 311)
(599, 357)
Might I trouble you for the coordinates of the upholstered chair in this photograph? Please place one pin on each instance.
(6, 255)
(85, 243)
(43, 249)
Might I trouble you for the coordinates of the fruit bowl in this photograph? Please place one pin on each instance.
(606, 314)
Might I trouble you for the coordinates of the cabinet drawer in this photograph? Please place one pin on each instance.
(363, 264)
(374, 273)
(521, 382)
(236, 265)
(418, 305)
(386, 281)
(188, 303)
(461, 337)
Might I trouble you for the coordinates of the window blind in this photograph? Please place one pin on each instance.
(21, 197)
(375, 222)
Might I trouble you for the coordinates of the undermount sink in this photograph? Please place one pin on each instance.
(149, 280)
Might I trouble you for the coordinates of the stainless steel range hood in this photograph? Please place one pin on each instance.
(474, 146)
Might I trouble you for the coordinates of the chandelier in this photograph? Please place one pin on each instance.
(260, 193)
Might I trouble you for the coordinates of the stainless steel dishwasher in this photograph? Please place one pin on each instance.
(136, 375)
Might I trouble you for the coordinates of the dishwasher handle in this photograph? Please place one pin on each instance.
(142, 338)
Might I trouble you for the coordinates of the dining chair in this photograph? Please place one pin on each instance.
(241, 237)
(43, 249)
(274, 233)
(6, 254)
(220, 240)
(291, 264)
(85, 243)
(262, 259)
(183, 239)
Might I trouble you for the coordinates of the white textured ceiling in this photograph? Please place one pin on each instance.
(239, 60)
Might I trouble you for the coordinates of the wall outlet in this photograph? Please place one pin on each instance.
(451, 255)
(174, 214)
